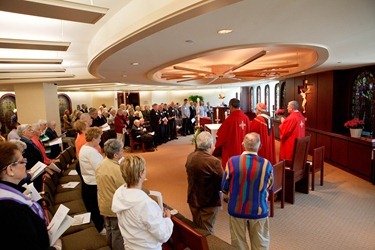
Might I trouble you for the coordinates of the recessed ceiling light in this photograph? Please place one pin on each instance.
(224, 31)
(124, 75)
(303, 72)
(135, 63)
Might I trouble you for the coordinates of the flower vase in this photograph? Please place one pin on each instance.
(356, 132)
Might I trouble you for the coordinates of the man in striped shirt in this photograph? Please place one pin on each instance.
(247, 179)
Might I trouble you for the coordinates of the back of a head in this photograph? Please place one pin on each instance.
(112, 147)
(294, 105)
(235, 103)
(261, 107)
(93, 133)
(204, 141)
(131, 168)
(80, 126)
(251, 142)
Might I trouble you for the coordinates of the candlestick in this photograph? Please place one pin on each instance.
(217, 113)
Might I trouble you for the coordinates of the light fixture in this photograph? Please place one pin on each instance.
(35, 76)
(224, 31)
(135, 63)
(30, 61)
(57, 9)
(7, 43)
(30, 70)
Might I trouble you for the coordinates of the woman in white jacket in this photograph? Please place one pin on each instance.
(142, 223)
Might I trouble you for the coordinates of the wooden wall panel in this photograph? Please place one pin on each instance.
(312, 140)
(339, 151)
(359, 159)
(324, 101)
(324, 140)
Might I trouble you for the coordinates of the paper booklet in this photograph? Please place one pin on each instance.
(60, 222)
(54, 167)
(71, 184)
(37, 169)
(105, 127)
(155, 195)
(73, 172)
(81, 219)
(56, 141)
(31, 192)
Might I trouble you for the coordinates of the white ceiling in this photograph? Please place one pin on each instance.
(161, 33)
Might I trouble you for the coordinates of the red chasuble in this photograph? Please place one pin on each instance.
(267, 137)
(292, 127)
(231, 134)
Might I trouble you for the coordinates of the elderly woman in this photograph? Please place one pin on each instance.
(32, 153)
(37, 133)
(52, 134)
(89, 159)
(23, 223)
(142, 223)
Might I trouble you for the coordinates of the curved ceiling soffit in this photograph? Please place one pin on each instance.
(321, 55)
(154, 27)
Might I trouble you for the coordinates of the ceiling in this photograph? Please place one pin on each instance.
(98, 45)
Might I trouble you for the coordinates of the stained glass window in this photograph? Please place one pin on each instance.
(252, 99)
(277, 96)
(258, 94)
(283, 96)
(267, 96)
(363, 98)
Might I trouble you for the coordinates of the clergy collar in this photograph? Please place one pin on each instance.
(249, 153)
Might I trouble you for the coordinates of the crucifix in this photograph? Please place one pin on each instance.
(303, 90)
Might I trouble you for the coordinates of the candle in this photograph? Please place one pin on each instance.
(217, 113)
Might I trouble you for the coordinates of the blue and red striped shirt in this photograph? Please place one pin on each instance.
(247, 179)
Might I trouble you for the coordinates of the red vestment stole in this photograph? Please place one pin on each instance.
(267, 139)
(230, 135)
(292, 127)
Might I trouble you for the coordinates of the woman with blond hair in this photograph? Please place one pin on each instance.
(142, 223)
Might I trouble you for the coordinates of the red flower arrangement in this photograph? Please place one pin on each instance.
(354, 123)
(280, 112)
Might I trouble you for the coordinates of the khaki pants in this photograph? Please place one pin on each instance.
(258, 233)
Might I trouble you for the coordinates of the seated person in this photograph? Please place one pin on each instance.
(139, 134)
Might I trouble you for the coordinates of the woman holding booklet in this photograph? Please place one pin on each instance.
(142, 223)
(23, 224)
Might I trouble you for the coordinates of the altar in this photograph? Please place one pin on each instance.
(212, 128)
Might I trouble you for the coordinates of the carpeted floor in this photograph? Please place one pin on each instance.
(339, 215)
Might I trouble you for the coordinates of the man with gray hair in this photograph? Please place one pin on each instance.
(247, 179)
(109, 179)
(204, 173)
(291, 128)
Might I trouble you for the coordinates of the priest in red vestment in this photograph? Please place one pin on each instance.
(262, 125)
(232, 131)
(291, 128)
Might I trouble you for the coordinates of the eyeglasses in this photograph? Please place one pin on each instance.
(23, 161)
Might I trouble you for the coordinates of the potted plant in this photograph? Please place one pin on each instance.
(356, 126)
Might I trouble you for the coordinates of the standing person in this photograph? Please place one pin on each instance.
(232, 131)
(109, 179)
(185, 114)
(23, 224)
(172, 116)
(155, 121)
(247, 179)
(67, 120)
(204, 173)
(89, 159)
(291, 128)
(262, 125)
(193, 113)
(52, 134)
(209, 109)
(120, 124)
(142, 223)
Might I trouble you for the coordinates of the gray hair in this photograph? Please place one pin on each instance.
(41, 122)
(22, 128)
(35, 126)
(293, 104)
(85, 117)
(251, 142)
(112, 147)
(204, 141)
(20, 144)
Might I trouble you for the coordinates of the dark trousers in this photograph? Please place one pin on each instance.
(185, 126)
(90, 198)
